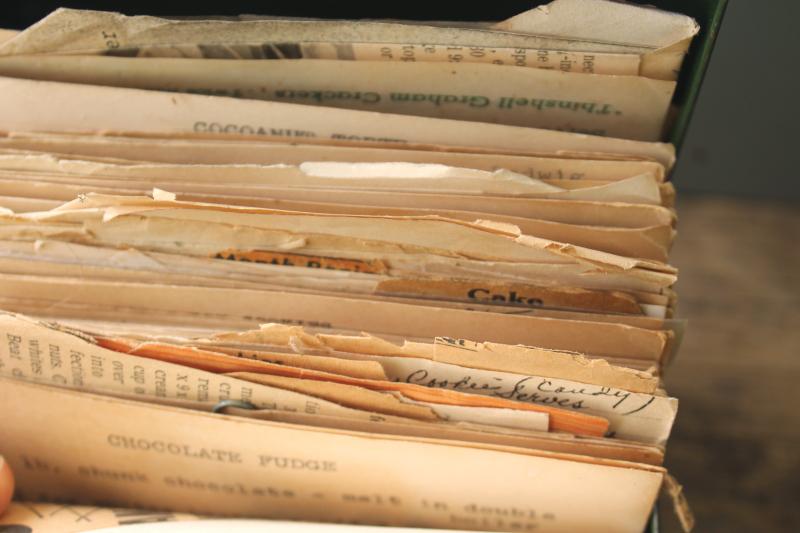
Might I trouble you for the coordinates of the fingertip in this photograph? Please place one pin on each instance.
(6, 484)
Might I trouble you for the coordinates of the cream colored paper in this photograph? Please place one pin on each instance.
(369, 400)
(582, 213)
(204, 151)
(564, 267)
(516, 299)
(391, 176)
(632, 416)
(358, 392)
(651, 242)
(629, 107)
(45, 354)
(43, 517)
(56, 258)
(406, 250)
(624, 64)
(257, 468)
(468, 434)
(501, 240)
(70, 107)
(666, 35)
(501, 184)
(74, 31)
(6, 35)
(466, 353)
(146, 330)
(342, 236)
(225, 309)
(605, 20)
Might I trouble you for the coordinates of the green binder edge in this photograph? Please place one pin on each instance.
(708, 13)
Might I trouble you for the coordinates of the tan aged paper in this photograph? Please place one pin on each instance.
(562, 285)
(551, 37)
(409, 247)
(6, 35)
(633, 416)
(70, 107)
(628, 107)
(488, 356)
(227, 309)
(513, 299)
(143, 456)
(611, 215)
(625, 64)
(167, 372)
(406, 400)
(480, 240)
(475, 435)
(222, 150)
(519, 295)
(501, 184)
(84, 31)
(605, 20)
(429, 178)
(565, 61)
(54, 187)
(666, 35)
(23, 191)
(39, 517)
(36, 352)
(353, 396)
(304, 274)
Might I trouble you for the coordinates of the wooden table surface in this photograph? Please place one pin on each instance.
(736, 444)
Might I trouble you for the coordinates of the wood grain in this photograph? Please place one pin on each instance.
(736, 445)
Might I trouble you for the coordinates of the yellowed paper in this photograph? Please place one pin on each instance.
(466, 353)
(226, 309)
(499, 240)
(6, 35)
(432, 272)
(71, 31)
(629, 107)
(625, 64)
(521, 212)
(45, 354)
(518, 295)
(666, 35)
(302, 273)
(446, 405)
(634, 416)
(474, 435)
(25, 192)
(366, 399)
(658, 40)
(461, 250)
(605, 20)
(42, 517)
(203, 151)
(62, 106)
(392, 176)
(189, 460)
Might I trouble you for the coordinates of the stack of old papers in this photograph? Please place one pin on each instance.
(390, 273)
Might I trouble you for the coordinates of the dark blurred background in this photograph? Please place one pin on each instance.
(735, 446)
